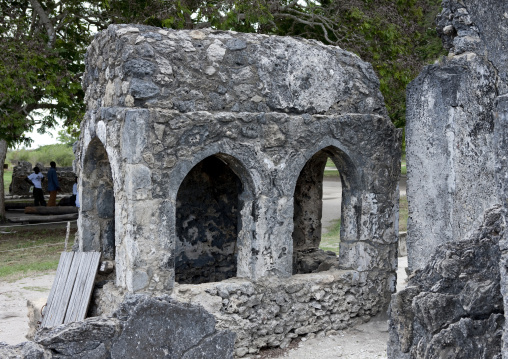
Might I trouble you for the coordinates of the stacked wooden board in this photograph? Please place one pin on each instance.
(71, 291)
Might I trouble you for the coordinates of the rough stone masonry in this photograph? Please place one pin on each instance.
(199, 162)
(451, 157)
(456, 300)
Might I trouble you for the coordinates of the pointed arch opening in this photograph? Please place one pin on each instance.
(97, 200)
(209, 221)
(322, 195)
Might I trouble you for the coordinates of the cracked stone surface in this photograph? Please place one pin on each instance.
(451, 160)
(143, 327)
(453, 307)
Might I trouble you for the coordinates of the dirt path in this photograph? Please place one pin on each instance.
(13, 309)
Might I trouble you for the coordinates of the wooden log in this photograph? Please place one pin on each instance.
(41, 219)
(51, 210)
(17, 205)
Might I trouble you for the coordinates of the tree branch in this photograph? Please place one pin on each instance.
(50, 30)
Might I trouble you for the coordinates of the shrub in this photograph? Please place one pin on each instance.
(61, 154)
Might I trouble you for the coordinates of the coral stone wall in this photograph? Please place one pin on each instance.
(270, 313)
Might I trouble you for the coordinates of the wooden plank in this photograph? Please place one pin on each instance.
(58, 276)
(83, 288)
(90, 280)
(72, 289)
(58, 284)
(31, 218)
(51, 210)
(65, 294)
(86, 287)
(77, 292)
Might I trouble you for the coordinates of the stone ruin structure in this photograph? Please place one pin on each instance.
(457, 141)
(202, 155)
(201, 165)
(18, 186)
(200, 171)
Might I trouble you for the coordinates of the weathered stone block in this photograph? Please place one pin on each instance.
(450, 129)
(143, 327)
(453, 306)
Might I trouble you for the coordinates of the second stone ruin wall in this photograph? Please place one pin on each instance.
(450, 128)
(454, 305)
(66, 179)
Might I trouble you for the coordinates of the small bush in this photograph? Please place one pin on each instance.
(61, 154)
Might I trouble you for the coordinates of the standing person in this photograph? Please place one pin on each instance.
(35, 179)
(75, 192)
(53, 185)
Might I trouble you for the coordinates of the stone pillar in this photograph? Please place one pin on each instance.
(147, 253)
(272, 242)
(501, 125)
(450, 160)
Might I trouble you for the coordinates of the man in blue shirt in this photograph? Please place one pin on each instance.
(53, 185)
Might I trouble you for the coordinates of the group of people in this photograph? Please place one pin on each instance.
(37, 178)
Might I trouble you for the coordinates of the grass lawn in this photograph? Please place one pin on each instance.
(330, 240)
(25, 251)
(7, 179)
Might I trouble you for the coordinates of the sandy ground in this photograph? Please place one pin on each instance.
(13, 309)
(366, 341)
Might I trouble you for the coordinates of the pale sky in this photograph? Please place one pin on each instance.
(45, 139)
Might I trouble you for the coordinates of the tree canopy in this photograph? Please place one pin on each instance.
(41, 61)
(42, 44)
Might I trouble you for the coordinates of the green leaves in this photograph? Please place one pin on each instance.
(39, 78)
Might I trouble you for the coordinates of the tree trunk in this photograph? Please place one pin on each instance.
(3, 153)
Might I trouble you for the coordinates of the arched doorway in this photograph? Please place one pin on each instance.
(97, 202)
(325, 176)
(208, 221)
